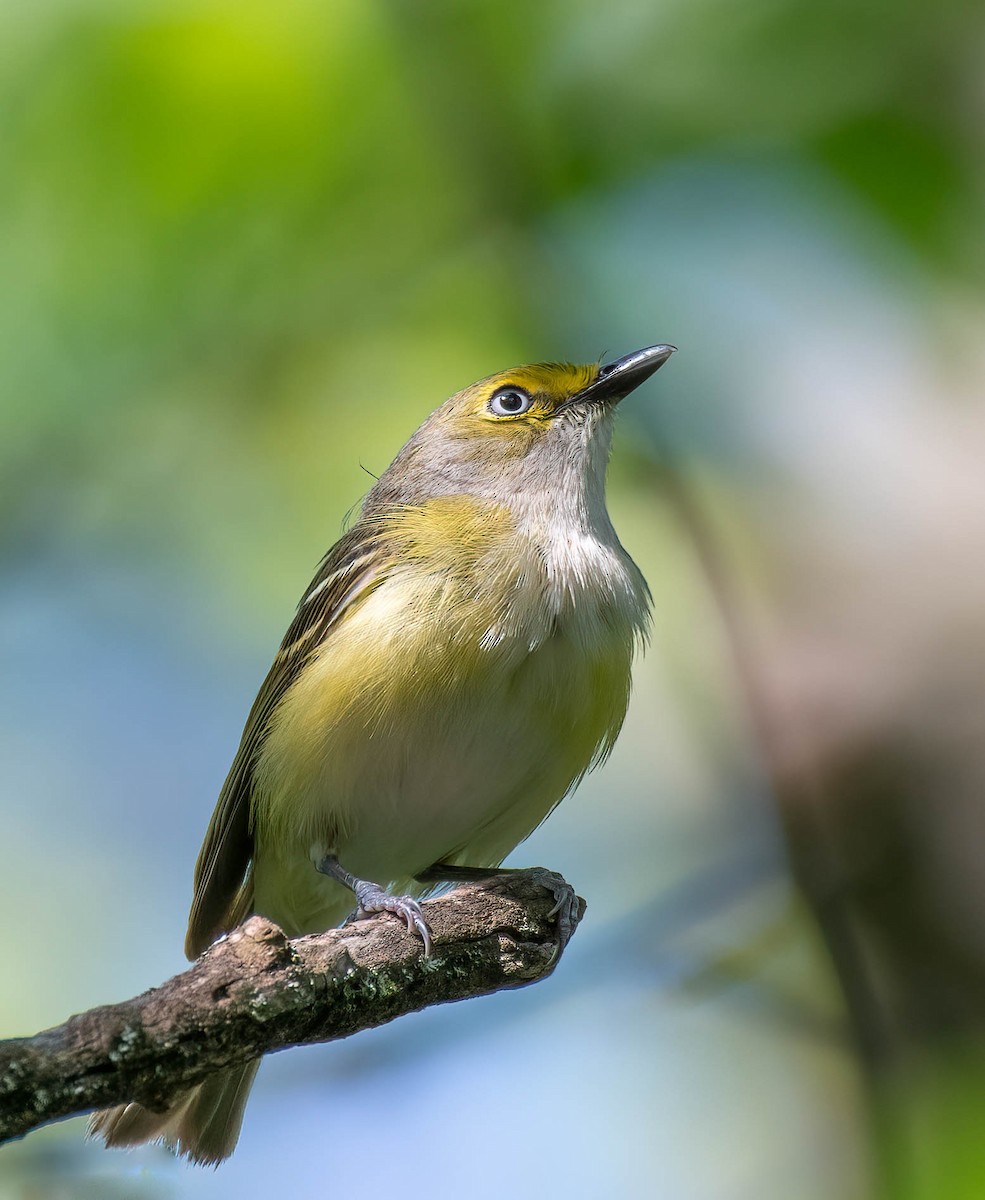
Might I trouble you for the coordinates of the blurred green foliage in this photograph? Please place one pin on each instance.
(228, 228)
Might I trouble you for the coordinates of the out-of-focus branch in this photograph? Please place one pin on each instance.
(255, 991)
(800, 799)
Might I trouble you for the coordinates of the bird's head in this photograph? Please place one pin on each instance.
(527, 431)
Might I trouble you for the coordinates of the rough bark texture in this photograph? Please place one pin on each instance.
(255, 991)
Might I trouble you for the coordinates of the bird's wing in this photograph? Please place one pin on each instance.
(223, 887)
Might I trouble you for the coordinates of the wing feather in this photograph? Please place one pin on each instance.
(223, 884)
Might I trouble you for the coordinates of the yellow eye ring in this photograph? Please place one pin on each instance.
(510, 402)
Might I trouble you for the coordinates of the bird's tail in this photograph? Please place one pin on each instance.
(202, 1123)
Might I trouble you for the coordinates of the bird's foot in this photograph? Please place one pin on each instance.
(374, 899)
(569, 908)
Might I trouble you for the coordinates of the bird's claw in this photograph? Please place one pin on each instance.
(373, 899)
(568, 908)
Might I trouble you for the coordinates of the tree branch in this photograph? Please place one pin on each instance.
(254, 991)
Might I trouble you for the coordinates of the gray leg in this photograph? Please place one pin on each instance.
(441, 872)
(373, 899)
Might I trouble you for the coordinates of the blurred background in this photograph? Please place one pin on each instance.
(244, 249)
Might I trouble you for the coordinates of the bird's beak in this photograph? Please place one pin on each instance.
(617, 379)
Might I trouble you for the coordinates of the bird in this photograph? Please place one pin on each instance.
(461, 659)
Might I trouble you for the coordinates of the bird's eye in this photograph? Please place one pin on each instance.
(509, 402)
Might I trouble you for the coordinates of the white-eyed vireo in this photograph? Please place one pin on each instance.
(460, 660)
